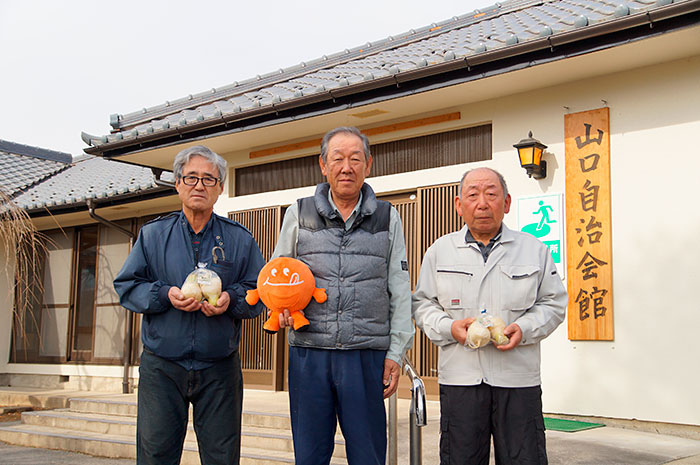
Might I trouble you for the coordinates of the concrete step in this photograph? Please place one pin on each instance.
(51, 398)
(106, 406)
(119, 446)
(252, 436)
(78, 421)
(35, 398)
(15, 409)
(104, 424)
(277, 421)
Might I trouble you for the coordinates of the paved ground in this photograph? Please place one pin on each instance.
(15, 455)
(600, 446)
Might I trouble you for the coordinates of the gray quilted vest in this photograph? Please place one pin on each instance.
(352, 267)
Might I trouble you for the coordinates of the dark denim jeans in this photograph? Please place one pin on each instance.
(164, 393)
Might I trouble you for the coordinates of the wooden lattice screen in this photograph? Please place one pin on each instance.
(261, 352)
(436, 216)
(425, 216)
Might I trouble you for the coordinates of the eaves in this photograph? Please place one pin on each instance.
(117, 200)
(547, 49)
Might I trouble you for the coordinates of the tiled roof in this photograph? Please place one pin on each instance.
(35, 152)
(468, 38)
(90, 178)
(22, 166)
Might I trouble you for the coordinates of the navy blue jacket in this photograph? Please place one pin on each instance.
(162, 257)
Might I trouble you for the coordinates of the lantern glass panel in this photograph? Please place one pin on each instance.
(526, 155)
(537, 155)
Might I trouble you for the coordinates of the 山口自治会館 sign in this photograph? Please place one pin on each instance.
(542, 216)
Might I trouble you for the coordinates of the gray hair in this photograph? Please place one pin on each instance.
(344, 130)
(182, 158)
(500, 177)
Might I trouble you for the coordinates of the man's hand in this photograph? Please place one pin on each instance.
(285, 318)
(459, 329)
(392, 371)
(221, 305)
(179, 301)
(515, 334)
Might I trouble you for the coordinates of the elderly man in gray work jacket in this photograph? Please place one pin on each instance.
(348, 359)
(493, 390)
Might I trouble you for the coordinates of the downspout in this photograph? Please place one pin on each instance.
(129, 315)
(157, 172)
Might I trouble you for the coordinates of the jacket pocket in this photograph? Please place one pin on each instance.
(225, 270)
(519, 284)
(457, 289)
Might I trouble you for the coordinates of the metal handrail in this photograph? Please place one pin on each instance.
(417, 418)
(418, 403)
(417, 415)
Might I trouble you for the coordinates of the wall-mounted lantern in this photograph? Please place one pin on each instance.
(530, 153)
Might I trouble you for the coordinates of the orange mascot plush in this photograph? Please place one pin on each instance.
(285, 283)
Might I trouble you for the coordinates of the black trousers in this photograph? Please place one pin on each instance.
(471, 415)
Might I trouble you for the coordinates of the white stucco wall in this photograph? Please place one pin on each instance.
(648, 371)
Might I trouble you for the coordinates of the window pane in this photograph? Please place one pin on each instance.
(85, 302)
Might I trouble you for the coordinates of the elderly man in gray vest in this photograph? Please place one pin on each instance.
(348, 359)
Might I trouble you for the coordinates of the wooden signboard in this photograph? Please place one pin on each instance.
(588, 225)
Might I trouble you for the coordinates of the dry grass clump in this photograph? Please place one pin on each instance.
(26, 247)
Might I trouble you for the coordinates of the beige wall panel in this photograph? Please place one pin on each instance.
(7, 303)
(58, 268)
(54, 332)
(109, 331)
(113, 250)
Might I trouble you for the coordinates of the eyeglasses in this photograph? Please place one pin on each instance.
(207, 181)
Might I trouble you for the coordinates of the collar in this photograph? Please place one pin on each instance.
(366, 205)
(353, 214)
(183, 220)
(460, 237)
(469, 239)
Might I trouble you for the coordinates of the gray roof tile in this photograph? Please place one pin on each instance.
(90, 178)
(501, 25)
(18, 172)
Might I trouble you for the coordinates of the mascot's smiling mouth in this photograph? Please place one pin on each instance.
(293, 281)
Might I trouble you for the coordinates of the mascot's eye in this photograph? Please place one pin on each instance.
(273, 272)
(286, 271)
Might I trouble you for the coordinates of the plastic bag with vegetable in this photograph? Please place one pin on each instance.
(486, 328)
(496, 327)
(478, 335)
(202, 283)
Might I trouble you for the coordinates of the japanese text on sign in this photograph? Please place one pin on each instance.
(589, 257)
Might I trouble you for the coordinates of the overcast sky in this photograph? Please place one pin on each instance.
(68, 65)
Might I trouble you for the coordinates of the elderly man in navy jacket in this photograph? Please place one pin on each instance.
(190, 350)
